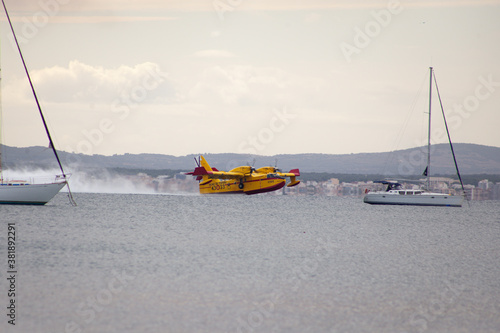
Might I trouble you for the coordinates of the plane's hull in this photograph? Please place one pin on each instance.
(253, 186)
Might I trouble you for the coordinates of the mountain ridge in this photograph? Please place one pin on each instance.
(471, 158)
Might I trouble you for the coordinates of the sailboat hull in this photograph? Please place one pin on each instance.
(424, 199)
(29, 194)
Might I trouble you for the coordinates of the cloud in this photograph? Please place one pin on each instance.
(83, 83)
(241, 85)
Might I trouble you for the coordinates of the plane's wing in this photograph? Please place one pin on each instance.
(201, 171)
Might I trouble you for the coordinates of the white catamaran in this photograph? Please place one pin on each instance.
(29, 192)
(396, 195)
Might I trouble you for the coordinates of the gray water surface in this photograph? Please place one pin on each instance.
(164, 263)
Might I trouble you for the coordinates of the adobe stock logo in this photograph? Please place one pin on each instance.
(307, 270)
(223, 6)
(362, 38)
(31, 27)
(121, 107)
(470, 104)
(277, 124)
(89, 309)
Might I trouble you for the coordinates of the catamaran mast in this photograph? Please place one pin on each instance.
(428, 169)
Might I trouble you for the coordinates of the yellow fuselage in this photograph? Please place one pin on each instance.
(253, 184)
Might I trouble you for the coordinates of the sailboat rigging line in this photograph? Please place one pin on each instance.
(391, 156)
(70, 195)
(428, 168)
(38, 103)
(449, 138)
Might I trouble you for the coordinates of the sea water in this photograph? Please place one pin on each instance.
(263, 263)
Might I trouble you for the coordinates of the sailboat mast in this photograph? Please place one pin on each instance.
(33, 90)
(428, 169)
(1, 124)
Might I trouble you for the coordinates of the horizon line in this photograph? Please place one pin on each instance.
(248, 154)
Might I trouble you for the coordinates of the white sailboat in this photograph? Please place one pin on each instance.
(396, 195)
(28, 193)
(31, 192)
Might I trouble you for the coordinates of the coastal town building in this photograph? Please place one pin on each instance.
(180, 183)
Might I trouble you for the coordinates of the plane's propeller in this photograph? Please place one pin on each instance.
(276, 166)
(252, 169)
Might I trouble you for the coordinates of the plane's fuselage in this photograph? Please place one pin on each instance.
(253, 184)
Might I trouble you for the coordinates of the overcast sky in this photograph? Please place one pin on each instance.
(250, 76)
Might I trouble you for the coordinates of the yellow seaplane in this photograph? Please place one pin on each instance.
(243, 179)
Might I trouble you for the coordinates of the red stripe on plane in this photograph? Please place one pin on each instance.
(266, 189)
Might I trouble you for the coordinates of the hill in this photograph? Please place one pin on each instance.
(472, 159)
